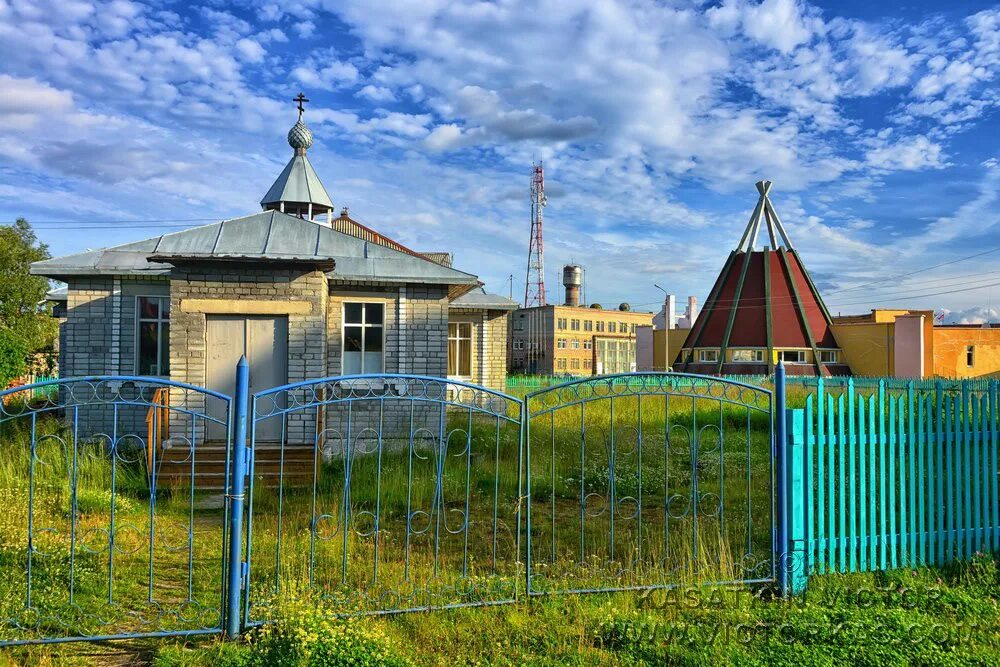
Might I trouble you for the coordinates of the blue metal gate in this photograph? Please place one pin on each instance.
(100, 494)
(372, 493)
(649, 480)
(384, 493)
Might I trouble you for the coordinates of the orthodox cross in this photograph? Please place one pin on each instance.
(300, 99)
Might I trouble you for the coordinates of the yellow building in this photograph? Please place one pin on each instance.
(907, 343)
(651, 347)
(574, 340)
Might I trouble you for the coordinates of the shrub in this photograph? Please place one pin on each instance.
(13, 356)
(307, 635)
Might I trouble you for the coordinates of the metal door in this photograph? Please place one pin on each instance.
(264, 341)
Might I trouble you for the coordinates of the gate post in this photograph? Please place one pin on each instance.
(237, 486)
(781, 474)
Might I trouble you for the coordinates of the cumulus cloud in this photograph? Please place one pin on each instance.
(250, 50)
(652, 119)
(973, 315)
(327, 77)
(778, 24)
(377, 93)
(907, 154)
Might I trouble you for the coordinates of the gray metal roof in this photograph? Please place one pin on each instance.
(268, 236)
(298, 182)
(481, 299)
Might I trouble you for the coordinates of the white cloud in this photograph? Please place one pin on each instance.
(908, 154)
(377, 93)
(972, 315)
(304, 29)
(328, 77)
(779, 24)
(250, 50)
(443, 137)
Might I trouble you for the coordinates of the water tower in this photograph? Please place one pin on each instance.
(572, 279)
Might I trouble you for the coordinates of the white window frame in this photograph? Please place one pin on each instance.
(832, 353)
(160, 321)
(343, 333)
(758, 357)
(708, 356)
(801, 356)
(588, 344)
(574, 344)
(560, 343)
(459, 338)
(518, 344)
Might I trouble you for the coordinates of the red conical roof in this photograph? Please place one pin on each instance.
(762, 300)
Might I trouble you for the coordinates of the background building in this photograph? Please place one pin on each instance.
(574, 340)
(908, 343)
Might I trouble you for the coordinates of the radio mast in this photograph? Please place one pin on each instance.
(534, 284)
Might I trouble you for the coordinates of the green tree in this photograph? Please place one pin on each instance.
(26, 324)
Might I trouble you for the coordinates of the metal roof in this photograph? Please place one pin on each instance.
(481, 299)
(268, 236)
(298, 182)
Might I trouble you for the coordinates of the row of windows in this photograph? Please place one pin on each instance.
(562, 324)
(573, 364)
(574, 344)
(758, 356)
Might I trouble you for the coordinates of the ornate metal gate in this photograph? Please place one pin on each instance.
(384, 493)
(104, 532)
(649, 480)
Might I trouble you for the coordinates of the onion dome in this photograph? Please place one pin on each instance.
(300, 137)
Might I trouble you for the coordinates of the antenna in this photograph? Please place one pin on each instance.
(534, 284)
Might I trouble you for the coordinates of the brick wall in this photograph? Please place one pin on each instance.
(489, 345)
(306, 332)
(416, 343)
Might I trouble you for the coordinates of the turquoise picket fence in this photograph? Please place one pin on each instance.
(897, 480)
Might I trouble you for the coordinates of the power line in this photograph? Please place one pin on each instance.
(928, 268)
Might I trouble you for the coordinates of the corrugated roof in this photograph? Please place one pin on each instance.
(480, 298)
(298, 182)
(268, 236)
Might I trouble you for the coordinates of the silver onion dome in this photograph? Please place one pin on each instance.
(300, 136)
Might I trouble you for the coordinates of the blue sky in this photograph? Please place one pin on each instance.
(877, 123)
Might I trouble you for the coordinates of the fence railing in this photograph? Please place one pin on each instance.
(858, 382)
(635, 481)
(889, 480)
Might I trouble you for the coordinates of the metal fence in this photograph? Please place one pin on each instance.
(138, 507)
(809, 382)
(644, 480)
(102, 534)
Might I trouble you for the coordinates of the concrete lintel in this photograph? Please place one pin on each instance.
(246, 307)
